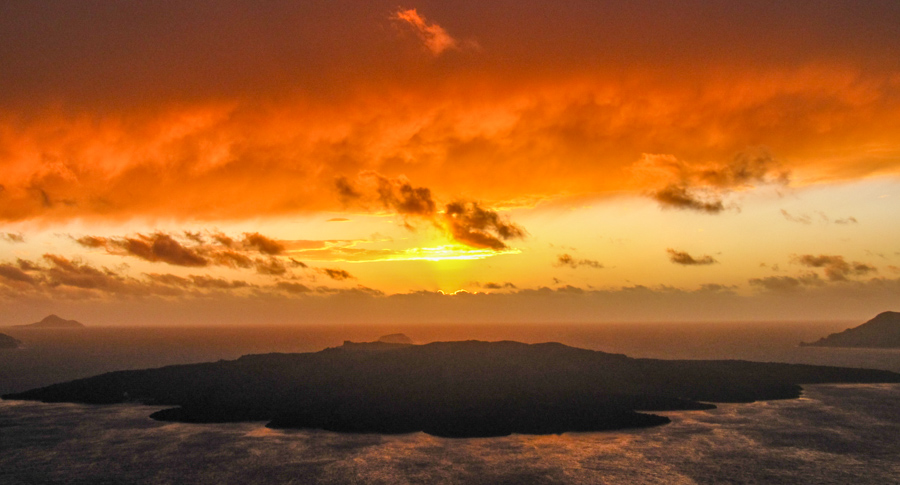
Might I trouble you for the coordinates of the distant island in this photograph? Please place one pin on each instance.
(7, 342)
(883, 331)
(53, 321)
(395, 338)
(450, 389)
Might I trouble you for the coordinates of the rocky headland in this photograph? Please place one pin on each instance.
(883, 331)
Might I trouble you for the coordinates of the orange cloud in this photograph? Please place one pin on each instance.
(558, 102)
(435, 38)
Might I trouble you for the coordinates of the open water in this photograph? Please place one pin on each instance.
(833, 434)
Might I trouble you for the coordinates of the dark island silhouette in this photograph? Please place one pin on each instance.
(53, 321)
(7, 342)
(450, 389)
(883, 331)
(395, 338)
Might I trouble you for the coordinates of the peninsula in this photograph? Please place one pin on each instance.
(883, 331)
(451, 389)
(53, 321)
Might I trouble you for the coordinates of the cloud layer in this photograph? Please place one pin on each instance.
(211, 248)
(145, 122)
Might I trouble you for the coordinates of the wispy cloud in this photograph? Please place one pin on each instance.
(567, 260)
(265, 255)
(336, 274)
(800, 219)
(63, 278)
(823, 218)
(846, 220)
(702, 187)
(432, 35)
(787, 283)
(12, 237)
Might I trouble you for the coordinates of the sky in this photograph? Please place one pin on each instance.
(233, 162)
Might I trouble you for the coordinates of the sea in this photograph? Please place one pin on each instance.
(833, 434)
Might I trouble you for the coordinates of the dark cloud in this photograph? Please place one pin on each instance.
(157, 247)
(398, 195)
(345, 190)
(568, 260)
(683, 258)
(12, 237)
(336, 274)
(60, 277)
(160, 247)
(836, 268)
(194, 250)
(92, 241)
(195, 236)
(703, 187)
(466, 222)
(263, 244)
(498, 286)
(395, 194)
(14, 273)
(470, 224)
(338, 219)
(682, 197)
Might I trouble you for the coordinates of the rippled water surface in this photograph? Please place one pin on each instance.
(834, 434)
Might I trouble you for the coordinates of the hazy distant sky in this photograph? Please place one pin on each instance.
(337, 161)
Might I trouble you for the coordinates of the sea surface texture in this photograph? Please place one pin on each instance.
(834, 434)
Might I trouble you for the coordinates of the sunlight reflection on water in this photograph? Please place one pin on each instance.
(835, 434)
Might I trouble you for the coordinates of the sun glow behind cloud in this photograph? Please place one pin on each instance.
(605, 148)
